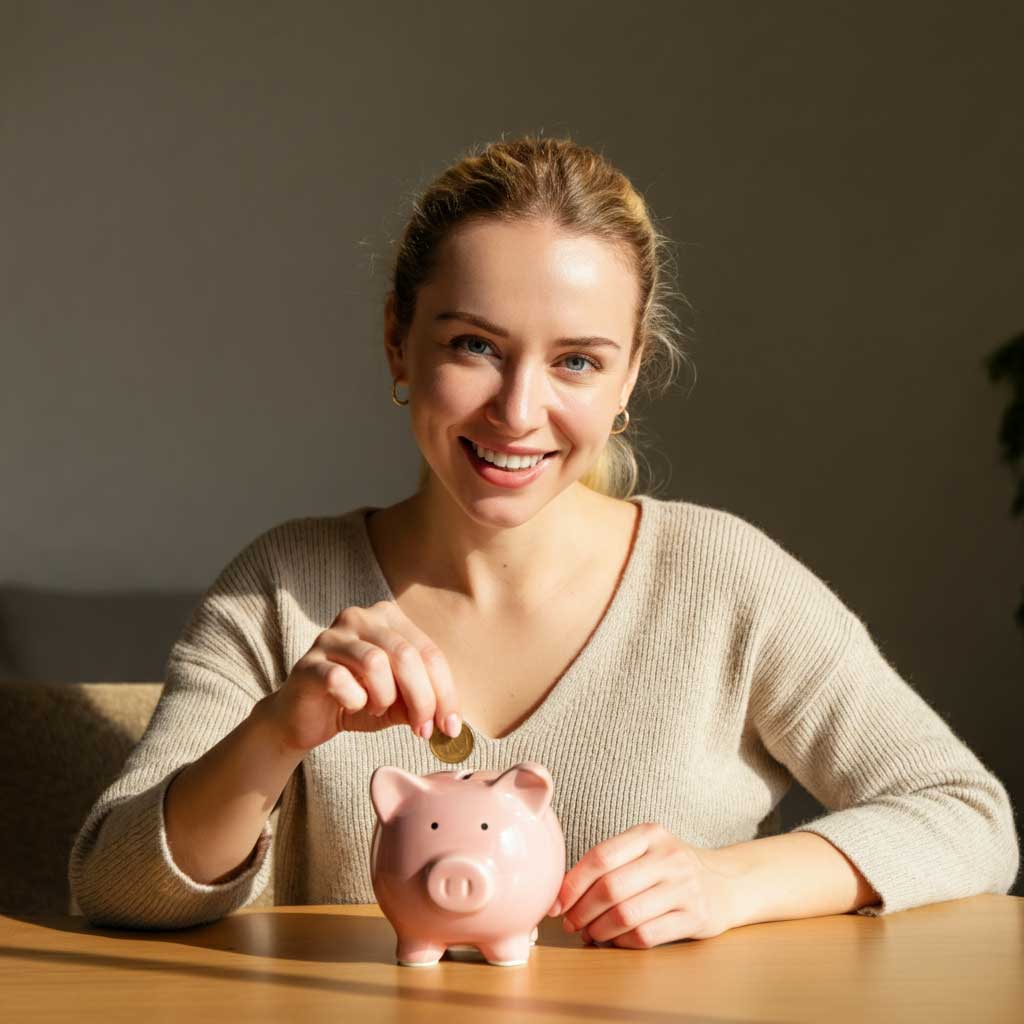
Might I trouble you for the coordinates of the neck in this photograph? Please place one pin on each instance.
(496, 568)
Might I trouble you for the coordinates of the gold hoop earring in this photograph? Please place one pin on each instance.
(394, 394)
(624, 425)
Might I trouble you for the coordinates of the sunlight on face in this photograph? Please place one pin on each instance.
(490, 355)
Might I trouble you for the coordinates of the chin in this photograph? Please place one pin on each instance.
(500, 512)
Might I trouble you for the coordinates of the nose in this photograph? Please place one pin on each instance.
(518, 406)
(459, 884)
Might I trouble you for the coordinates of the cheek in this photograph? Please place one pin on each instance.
(441, 400)
(447, 390)
(588, 414)
(457, 387)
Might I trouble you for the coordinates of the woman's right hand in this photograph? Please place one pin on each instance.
(370, 669)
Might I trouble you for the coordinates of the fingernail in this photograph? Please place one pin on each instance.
(452, 725)
(555, 909)
(427, 728)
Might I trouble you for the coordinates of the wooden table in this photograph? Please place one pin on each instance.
(962, 960)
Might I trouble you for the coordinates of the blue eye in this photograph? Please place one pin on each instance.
(586, 359)
(470, 341)
(458, 344)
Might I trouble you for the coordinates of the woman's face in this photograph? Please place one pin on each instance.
(512, 376)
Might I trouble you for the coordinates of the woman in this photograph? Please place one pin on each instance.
(670, 665)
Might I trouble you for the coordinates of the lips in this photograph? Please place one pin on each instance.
(505, 479)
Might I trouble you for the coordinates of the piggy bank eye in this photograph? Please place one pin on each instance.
(484, 825)
(433, 824)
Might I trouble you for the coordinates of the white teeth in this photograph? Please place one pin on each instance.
(506, 461)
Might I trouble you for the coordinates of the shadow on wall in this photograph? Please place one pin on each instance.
(51, 636)
(68, 724)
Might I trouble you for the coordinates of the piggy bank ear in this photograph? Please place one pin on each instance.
(530, 782)
(390, 787)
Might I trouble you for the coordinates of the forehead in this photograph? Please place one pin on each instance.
(515, 272)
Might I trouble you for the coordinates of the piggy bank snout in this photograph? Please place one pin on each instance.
(459, 884)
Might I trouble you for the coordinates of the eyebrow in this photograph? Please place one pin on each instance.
(479, 321)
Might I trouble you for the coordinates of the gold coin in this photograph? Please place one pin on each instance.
(452, 749)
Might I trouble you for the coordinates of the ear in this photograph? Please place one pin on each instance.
(529, 782)
(393, 341)
(390, 787)
(630, 382)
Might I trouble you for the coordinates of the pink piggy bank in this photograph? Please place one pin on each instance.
(465, 858)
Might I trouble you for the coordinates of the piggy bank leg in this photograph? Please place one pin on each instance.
(507, 952)
(417, 952)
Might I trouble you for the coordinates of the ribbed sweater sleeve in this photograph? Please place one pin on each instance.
(910, 804)
(121, 872)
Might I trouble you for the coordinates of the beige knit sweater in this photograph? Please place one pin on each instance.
(722, 669)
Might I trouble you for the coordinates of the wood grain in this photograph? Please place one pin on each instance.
(954, 961)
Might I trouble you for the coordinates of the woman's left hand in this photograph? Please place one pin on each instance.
(644, 887)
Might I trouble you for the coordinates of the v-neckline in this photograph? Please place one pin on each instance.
(561, 697)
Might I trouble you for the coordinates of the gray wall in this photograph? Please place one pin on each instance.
(197, 204)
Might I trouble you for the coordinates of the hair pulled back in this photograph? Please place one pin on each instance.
(582, 193)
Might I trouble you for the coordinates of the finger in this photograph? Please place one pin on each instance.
(446, 701)
(670, 927)
(369, 663)
(633, 911)
(611, 890)
(340, 684)
(410, 674)
(606, 856)
(363, 721)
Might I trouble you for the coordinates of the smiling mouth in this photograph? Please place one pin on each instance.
(471, 449)
(470, 445)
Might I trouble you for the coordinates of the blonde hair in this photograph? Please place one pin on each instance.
(581, 192)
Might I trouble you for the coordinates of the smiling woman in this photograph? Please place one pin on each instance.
(671, 666)
(470, 222)
(515, 391)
